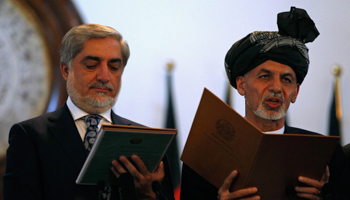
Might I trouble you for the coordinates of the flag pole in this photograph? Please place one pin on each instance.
(173, 153)
(170, 66)
(337, 70)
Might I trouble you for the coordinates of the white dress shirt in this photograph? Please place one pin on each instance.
(279, 131)
(77, 115)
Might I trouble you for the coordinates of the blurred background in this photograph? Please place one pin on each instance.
(196, 35)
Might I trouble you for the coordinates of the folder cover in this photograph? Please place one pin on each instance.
(221, 140)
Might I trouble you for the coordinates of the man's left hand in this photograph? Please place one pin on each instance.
(142, 177)
(314, 191)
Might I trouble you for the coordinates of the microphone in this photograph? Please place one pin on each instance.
(127, 187)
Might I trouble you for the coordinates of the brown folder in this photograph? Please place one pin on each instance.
(221, 140)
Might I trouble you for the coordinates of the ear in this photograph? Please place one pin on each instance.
(240, 85)
(64, 71)
(296, 93)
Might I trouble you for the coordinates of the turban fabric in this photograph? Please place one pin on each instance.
(287, 46)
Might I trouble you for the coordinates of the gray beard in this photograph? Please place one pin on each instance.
(261, 112)
(91, 103)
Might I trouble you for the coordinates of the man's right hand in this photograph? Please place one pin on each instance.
(143, 179)
(225, 194)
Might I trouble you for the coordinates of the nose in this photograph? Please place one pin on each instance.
(275, 85)
(103, 74)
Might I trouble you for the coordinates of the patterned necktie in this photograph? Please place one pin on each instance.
(92, 122)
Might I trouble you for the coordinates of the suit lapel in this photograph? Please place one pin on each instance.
(118, 120)
(286, 129)
(62, 126)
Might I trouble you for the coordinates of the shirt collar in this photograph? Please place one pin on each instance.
(77, 113)
(279, 131)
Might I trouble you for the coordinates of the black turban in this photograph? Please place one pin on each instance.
(286, 46)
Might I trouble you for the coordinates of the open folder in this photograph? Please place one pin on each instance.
(113, 141)
(221, 140)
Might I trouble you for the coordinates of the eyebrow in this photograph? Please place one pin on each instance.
(264, 71)
(289, 75)
(113, 60)
(282, 75)
(91, 58)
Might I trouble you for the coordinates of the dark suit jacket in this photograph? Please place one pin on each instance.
(45, 156)
(193, 186)
(346, 149)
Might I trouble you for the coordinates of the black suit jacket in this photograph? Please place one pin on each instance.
(45, 156)
(193, 186)
(346, 149)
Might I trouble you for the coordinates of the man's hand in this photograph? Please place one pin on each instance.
(142, 177)
(225, 194)
(313, 192)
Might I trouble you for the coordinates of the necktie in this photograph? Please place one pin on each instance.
(92, 122)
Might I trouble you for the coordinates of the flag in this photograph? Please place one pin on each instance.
(173, 151)
(334, 127)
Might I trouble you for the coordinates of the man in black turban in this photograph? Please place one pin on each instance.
(267, 68)
(286, 46)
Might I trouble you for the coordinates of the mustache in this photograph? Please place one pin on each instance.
(274, 94)
(101, 85)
